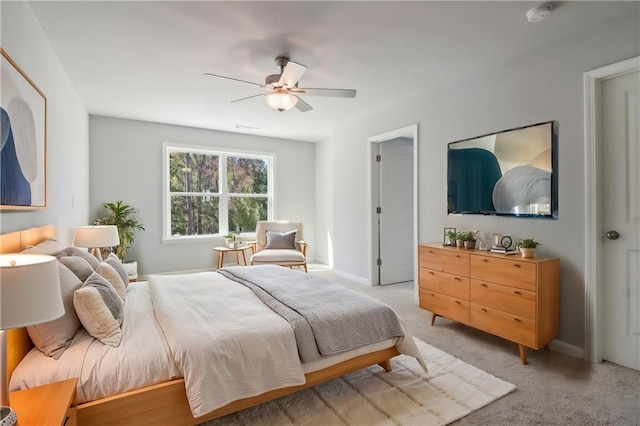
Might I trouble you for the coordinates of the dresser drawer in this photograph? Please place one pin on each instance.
(442, 282)
(446, 306)
(451, 261)
(512, 327)
(504, 271)
(509, 299)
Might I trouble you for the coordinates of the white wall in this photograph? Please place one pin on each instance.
(545, 84)
(67, 127)
(126, 164)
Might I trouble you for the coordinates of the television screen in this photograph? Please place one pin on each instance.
(510, 173)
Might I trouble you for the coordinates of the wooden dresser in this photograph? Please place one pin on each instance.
(510, 296)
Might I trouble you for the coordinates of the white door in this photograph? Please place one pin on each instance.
(395, 172)
(621, 216)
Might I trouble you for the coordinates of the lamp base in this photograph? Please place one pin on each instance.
(8, 417)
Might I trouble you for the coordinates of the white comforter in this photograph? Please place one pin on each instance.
(226, 342)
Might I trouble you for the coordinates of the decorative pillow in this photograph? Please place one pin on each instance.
(116, 264)
(281, 240)
(83, 253)
(52, 338)
(108, 273)
(49, 247)
(100, 309)
(80, 267)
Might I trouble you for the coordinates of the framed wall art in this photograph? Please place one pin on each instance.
(23, 149)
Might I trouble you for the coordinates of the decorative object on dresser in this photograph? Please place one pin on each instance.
(96, 237)
(527, 247)
(449, 238)
(517, 299)
(30, 289)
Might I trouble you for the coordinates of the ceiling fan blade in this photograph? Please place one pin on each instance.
(302, 106)
(292, 73)
(337, 93)
(248, 97)
(235, 79)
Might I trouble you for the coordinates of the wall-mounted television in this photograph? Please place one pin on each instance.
(508, 173)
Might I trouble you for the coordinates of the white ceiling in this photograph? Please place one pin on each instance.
(145, 60)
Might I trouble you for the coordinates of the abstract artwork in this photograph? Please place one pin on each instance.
(23, 146)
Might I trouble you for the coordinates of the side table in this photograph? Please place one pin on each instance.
(52, 404)
(224, 250)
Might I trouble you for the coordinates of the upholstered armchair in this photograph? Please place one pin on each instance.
(279, 243)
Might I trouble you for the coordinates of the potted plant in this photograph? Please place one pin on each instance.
(230, 240)
(460, 236)
(453, 236)
(469, 240)
(528, 247)
(123, 217)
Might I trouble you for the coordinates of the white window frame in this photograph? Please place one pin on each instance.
(223, 194)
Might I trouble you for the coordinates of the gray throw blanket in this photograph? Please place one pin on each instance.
(327, 318)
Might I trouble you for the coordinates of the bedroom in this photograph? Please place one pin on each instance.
(542, 83)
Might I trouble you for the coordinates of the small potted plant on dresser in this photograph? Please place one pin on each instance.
(460, 237)
(469, 240)
(453, 236)
(528, 247)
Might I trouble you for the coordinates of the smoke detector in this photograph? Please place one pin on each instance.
(539, 13)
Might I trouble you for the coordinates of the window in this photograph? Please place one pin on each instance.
(214, 192)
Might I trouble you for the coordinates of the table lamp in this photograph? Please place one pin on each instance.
(29, 294)
(96, 237)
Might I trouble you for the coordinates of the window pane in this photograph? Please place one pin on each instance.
(245, 212)
(247, 175)
(189, 172)
(194, 215)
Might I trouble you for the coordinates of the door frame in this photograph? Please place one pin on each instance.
(410, 131)
(593, 201)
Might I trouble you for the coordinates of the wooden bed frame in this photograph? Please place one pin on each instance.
(164, 403)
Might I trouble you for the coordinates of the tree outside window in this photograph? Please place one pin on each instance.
(213, 193)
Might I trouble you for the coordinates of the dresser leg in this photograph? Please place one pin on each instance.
(433, 318)
(523, 355)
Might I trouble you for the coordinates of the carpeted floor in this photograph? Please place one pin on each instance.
(405, 396)
(553, 389)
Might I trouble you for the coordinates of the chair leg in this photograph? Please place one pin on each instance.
(305, 267)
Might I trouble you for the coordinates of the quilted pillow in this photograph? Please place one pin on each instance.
(116, 264)
(108, 273)
(100, 309)
(83, 253)
(52, 338)
(76, 264)
(281, 240)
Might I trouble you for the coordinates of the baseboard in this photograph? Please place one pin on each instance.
(352, 277)
(567, 349)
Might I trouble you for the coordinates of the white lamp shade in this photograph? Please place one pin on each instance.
(281, 101)
(96, 236)
(29, 290)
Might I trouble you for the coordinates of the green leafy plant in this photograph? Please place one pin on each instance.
(528, 243)
(123, 217)
(469, 236)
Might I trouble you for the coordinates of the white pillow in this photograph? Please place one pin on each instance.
(110, 274)
(115, 262)
(100, 309)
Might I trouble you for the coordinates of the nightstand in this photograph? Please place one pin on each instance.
(53, 404)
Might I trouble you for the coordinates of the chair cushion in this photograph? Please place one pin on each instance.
(278, 256)
(281, 240)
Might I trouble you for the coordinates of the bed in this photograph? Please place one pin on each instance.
(168, 399)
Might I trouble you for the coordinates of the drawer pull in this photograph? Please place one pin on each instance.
(517, 320)
(517, 292)
(457, 302)
(457, 279)
(484, 260)
(483, 309)
(458, 256)
(431, 273)
(431, 251)
(432, 295)
(517, 265)
(483, 285)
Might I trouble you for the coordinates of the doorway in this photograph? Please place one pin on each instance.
(612, 103)
(394, 227)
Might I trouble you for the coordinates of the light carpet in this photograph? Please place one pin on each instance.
(405, 396)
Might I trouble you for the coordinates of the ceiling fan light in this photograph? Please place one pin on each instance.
(281, 101)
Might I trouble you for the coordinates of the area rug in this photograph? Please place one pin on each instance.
(405, 396)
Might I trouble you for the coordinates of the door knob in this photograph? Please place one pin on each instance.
(612, 235)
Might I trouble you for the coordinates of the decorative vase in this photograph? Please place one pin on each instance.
(470, 244)
(459, 243)
(527, 252)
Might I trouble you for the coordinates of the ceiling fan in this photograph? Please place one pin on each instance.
(282, 89)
